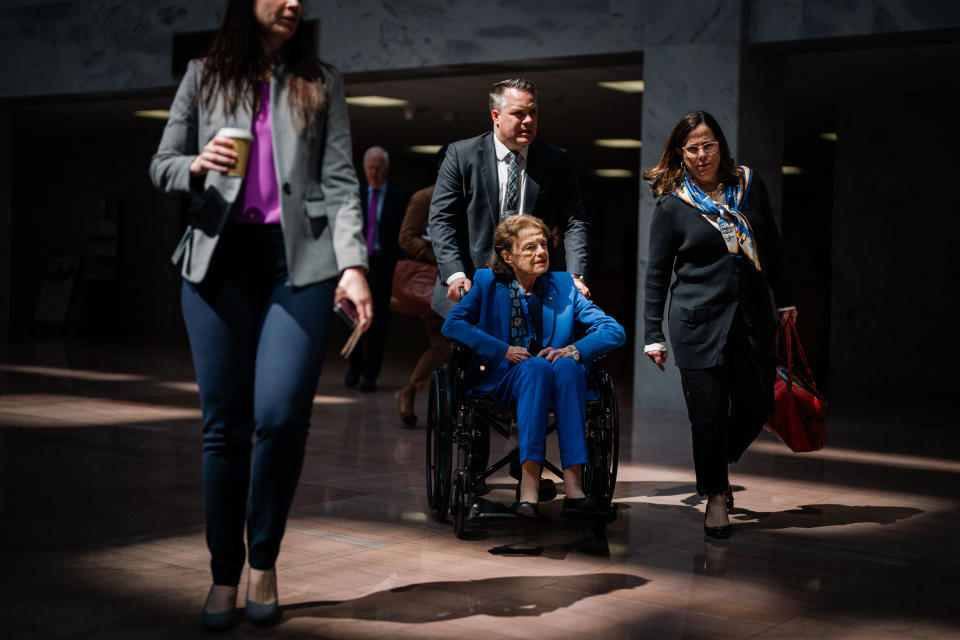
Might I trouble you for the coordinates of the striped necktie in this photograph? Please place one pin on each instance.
(511, 201)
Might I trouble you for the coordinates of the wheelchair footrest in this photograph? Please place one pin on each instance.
(608, 515)
(483, 509)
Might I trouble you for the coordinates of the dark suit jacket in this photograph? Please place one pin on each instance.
(391, 216)
(482, 322)
(465, 208)
(711, 285)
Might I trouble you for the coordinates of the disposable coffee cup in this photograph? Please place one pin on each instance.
(242, 140)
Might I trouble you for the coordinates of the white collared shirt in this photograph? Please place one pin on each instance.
(503, 170)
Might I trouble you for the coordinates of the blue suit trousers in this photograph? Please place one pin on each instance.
(535, 386)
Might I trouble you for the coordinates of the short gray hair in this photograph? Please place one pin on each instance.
(496, 91)
(375, 149)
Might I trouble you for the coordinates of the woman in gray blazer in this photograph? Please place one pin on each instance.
(713, 228)
(263, 260)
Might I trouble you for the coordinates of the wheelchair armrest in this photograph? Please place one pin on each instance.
(460, 355)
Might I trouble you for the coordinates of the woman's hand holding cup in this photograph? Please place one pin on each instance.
(227, 152)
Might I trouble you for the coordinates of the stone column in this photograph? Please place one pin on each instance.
(744, 92)
(6, 222)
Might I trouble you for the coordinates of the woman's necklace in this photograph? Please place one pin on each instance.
(716, 194)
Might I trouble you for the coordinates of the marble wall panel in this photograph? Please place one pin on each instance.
(679, 78)
(89, 47)
(785, 20)
(893, 305)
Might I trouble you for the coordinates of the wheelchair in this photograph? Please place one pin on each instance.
(457, 423)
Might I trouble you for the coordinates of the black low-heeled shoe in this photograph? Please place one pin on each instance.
(720, 533)
(586, 505)
(222, 621)
(263, 615)
(526, 509)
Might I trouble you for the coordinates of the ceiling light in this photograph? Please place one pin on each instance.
(613, 173)
(618, 143)
(375, 101)
(829, 135)
(155, 114)
(791, 171)
(624, 86)
(425, 148)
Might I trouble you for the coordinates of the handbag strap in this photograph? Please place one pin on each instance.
(792, 337)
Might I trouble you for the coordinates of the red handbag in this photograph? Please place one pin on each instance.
(799, 409)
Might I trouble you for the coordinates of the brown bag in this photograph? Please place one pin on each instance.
(413, 283)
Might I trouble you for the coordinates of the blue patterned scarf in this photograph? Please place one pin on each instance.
(734, 226)
(521, 325)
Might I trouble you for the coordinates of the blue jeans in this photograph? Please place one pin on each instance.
(257, 344)
(534, 386)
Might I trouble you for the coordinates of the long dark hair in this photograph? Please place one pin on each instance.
(235, 63)
(668, 174)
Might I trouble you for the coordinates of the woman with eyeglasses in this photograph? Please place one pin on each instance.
(714, 229)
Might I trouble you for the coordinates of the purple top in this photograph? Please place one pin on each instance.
(259, 199)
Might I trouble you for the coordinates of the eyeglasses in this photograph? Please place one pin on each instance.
(709, 148)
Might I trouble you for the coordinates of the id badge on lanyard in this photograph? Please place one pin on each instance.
(729, 234)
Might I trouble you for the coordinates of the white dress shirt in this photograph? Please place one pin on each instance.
(503, 170)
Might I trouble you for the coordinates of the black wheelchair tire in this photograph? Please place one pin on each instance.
(439, 445)
(459, 509)
(600, 474)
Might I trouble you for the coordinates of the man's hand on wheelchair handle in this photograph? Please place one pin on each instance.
(582, 287)
(516, 355)
(453, 290)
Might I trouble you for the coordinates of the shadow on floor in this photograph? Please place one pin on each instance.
(506, 597)
(809, 516)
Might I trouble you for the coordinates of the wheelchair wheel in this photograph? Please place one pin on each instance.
(460, 508)
(600, 474)
(439, 445)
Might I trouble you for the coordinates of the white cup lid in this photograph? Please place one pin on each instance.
(230, 132)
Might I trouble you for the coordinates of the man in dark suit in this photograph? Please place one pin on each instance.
(384, 205)
(485, 179)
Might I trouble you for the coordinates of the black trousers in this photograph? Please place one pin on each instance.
(727, 405)
(367, 358)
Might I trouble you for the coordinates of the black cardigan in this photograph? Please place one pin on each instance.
(710, 283)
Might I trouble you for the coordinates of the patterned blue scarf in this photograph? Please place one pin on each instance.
(734, 226)
(521, 325)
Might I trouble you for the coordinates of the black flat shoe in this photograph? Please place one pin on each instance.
(586, 505)
(526, 509)
(720, 533)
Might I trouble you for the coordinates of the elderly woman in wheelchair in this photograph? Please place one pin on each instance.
(519, 320)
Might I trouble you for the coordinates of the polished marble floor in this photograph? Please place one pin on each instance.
(101, 524)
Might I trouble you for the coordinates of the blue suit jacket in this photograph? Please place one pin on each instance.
(482, 322)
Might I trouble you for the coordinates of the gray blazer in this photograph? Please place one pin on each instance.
(466, 208)
(320, 209)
